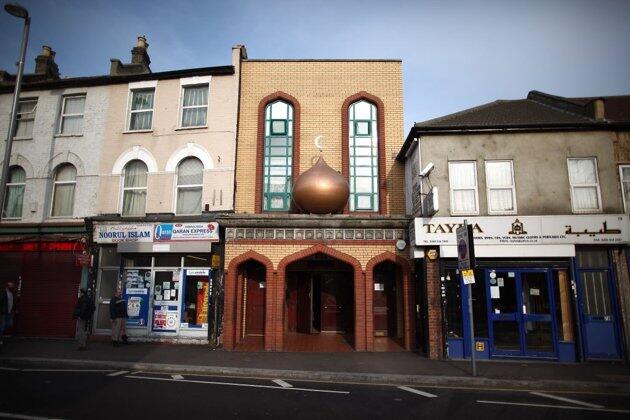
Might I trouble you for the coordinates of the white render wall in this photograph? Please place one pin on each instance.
(40, 155)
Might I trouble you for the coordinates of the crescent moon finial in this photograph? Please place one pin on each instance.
(318, 143)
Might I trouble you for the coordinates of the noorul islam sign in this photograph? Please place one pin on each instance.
(156, 232)
(523, 230)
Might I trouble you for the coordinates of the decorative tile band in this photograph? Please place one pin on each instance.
(314, 234)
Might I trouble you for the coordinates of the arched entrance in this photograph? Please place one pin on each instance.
(253, 295)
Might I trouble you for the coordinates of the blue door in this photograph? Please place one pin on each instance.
(520, 308)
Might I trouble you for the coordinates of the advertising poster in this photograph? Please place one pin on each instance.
(202, 302)
(165, 318)
(137, 306)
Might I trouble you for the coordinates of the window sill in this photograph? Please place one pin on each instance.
(22, 138)
(588, 211)
(197, 127)
(137, 131)
(502, 213)
(464, 214)
(11, 219)
(68, 135)
(61, 218)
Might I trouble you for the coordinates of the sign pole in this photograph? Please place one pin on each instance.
(466, 264)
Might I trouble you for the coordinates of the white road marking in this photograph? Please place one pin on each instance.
(327, 391)
(415, 391)
(177, 377)
(23, 416)
(67, 370)
(8, 368)
(564, 399)
(282, 383)
(120, 372)
(568, 407)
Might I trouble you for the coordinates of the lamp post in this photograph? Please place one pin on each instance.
(18, 11)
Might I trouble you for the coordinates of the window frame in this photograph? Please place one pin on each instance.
(62, 115)
(130, 111)
(452, 189)
(373, 135)
(267, 195)
(14, 184)
(187, 186)
(596, 185)
(19, 117)
(123, 189)
(180, 125)
(54, 191)
(512, 187)
(626, 204)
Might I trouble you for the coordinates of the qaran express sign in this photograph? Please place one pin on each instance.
(158, 232)
(602, 229)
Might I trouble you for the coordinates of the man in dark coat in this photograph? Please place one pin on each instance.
(118, 315)
(83, 313)
(7, 308)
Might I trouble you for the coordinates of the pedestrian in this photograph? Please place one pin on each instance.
(83, 314)
(7, 308)
(118, 315)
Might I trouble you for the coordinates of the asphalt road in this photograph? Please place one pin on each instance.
(98, 394)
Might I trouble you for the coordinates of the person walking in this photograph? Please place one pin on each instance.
(83, 313)
(118, 314)
(7, 308)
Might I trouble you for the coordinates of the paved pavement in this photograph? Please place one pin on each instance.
(42, 392)
(402, 368)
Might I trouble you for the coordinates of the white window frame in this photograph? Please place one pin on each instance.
(512, 187)
(14, 184)
(182, 107)
(596, 185)
(621, 181)
(20, 117)
(452, 189)
(146, 85)
(177, 187)
(63, 114)
(123, 189)
(54, 191)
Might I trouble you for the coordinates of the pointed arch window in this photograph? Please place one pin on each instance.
(14, 196)
(63, 191)
(278, 156)
(363, 156)
(134, 188)
(189, 186)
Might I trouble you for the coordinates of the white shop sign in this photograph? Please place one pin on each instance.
(112, 234)
(156, 232)
(526, 230)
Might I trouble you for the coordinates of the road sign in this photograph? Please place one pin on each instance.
(465, 247)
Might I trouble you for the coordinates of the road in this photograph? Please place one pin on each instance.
(32, 392)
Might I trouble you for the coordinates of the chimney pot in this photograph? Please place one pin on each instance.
(47, 51)
(600, 110)
(142, 42)
(45, 65)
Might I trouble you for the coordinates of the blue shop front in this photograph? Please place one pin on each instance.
(545, 286)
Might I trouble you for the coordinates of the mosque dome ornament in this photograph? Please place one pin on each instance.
(321, 189)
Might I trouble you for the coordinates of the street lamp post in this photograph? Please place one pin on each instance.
(20, 12)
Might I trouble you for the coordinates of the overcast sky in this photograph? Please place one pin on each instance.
(456, 54)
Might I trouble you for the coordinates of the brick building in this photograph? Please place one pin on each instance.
(301, 281)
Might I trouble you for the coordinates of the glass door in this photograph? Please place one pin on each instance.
(166, 302)
(520, 308)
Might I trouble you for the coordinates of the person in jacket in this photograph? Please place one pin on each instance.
(7, 308)
(83, 314)
(118, 314)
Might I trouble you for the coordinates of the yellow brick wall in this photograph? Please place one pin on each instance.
(321, 88)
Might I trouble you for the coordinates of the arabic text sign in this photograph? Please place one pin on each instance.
(123, 233)
(165, 232)
(523, 230)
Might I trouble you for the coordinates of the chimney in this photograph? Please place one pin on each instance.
(45, 64)
(139, 53)
(599, 110)
(139, 60)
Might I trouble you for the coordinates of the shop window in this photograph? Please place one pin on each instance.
(196, 294)
(168, 260)
(462, 177)
(480, 311)
(189, 186)
(109, 256)
(454, 327)
(134, 188)
(363, 156)
(139, 260)
(14, 193)
(585, 192)
(197, 260)
(591, 258)
(63, 191)
(278, 156)
(564, 310)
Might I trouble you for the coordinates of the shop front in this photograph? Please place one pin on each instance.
(165, 272)
(545, 286)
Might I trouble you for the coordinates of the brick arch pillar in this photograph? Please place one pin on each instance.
(359, 293)
(408, 297)
(232, 300)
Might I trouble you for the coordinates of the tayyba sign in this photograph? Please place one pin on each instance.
(599, 229)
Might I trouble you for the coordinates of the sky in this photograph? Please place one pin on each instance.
(456, 54)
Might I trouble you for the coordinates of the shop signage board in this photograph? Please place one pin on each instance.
(156, 232)
(113, 234)
(165, 318)
(524, 230)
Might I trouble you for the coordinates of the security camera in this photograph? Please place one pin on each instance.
(427, 169)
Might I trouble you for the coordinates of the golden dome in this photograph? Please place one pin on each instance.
(321, 190)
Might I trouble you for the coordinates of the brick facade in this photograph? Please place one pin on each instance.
(434, 305)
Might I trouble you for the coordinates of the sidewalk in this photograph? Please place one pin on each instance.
(388, 368)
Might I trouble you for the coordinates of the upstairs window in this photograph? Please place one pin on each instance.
(63, 191)
(584, 182)
(15, 193)
(189, 186)
(25, 118)
(195, 106)
(141, 109)
(278, 157)
(72, 115)
(624, 176)
(134, 188)
(500, 187)
(462, 178)
(363, 150)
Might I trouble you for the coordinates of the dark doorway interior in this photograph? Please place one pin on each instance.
(254, 296)
(387, 301)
